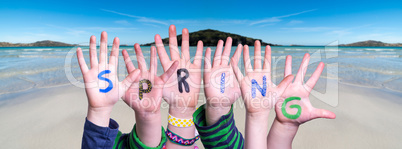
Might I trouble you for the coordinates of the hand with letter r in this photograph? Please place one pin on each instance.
(182, 89)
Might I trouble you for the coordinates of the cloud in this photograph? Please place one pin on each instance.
(294, 22)
(309, 29)
(139, 18)
(295, 14)
(85, 31)
(278, 18)
(269, 20)
(122, 22)
(268, 24)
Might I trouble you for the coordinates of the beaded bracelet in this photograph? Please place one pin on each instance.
(178, 122)
(179, 140)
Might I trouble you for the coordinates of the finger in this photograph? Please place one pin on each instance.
(165, 76)
(185, 43)
(257, 55)
(322, 113)
(198, 54)
(284, 84)
(174, 51)
(154, 61)
(246, 60)
(114, 54)
(127, 60)
(207, 61)
(267, 59)
(127, 83)
(81, 61)
(218, 53)
(103, 48)
(314, 78)
(163, 56)
(237, 54)
(302, 69)
(226, 51)
(93, 58)
(236, 71)
(288, 66)
(142, 65)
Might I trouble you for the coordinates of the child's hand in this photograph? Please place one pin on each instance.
(145, 95)
(101, 83)
(181, 91)
(258, 91)
(287, 121)
(220, 85)
(299, 89)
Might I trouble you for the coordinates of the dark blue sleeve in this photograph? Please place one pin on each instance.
(96, 137)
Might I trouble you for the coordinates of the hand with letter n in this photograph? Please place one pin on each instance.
(102, 86)
(294, 108)
(259, 93)
(145, 95)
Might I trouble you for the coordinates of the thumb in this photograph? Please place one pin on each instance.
(130, 78)
(322, 113)
(126, 83)
(165, 76)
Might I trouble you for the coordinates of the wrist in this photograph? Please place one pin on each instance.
(258, 115)
(147, 116)
(213, 114)
(182, 112)
(291, 127)
(148, 128)
(99, 116)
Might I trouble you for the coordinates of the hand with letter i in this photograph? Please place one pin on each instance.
(294, 108)
(258, 92)
(181, 91)
(145, 96)
(102, 86)
(221, 87)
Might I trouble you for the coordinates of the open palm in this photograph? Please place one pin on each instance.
(301, 90)
(188, 95)
(221, 87)
(101, 83)
(255, 100)
(149, 101)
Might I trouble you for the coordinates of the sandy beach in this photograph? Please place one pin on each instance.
(54, 118)
(43, 102)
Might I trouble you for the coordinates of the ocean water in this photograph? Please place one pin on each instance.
(29, 68)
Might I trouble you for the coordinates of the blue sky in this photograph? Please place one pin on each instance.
(281, 22)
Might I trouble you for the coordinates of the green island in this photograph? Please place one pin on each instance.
(44, 43)
(210, 37)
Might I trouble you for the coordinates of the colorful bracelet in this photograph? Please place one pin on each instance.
(179, 140)
(178, 122)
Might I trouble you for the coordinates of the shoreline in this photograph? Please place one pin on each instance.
(33, 89)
